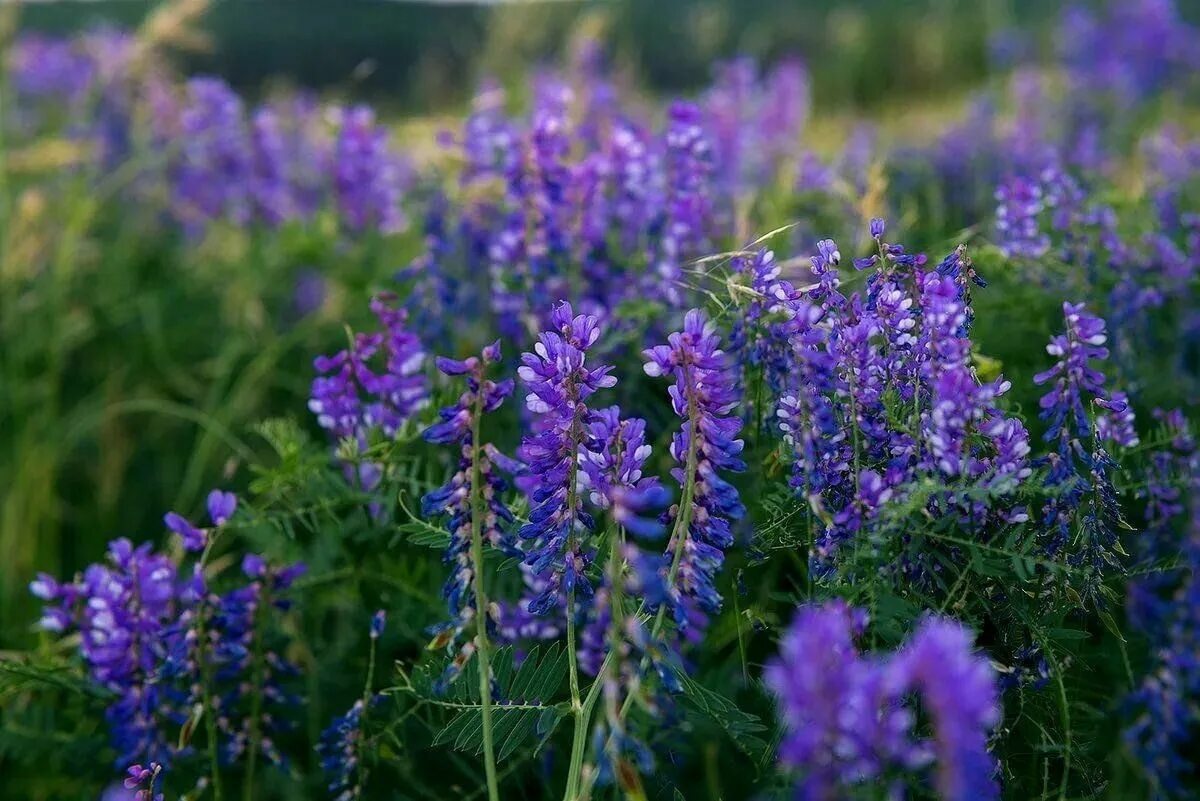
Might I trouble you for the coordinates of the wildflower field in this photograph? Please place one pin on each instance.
(587, 440)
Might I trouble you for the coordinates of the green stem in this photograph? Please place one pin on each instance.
(257, 681)
(579, 739)
(683, 524)
(362, 724)
(210, 723)
(580, 735)
(481, 603)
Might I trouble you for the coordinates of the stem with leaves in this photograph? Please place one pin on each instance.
(679, 535)
(478, 510)
(258, 679)
(204, 663)
(368, 688)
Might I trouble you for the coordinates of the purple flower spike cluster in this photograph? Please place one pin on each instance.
(756, 121)
(851, 718)
(1033, 202)
(215, 158)
(1079, 466)
(458, 425)
(122, 610)
(153, 633)
(832, 361)
(616, 455)
(352, 398)
(559, 381)
(689, 202)
(367, 176)
(704, 395)
(341, 744)
(1166, 607)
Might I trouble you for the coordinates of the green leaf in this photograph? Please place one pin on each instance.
(523, 710)
(19, 676)
(742, 727)
(418, 532)
(1067, 634)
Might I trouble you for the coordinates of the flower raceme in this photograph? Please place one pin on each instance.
(471, 500)
(850, 717)
(375, 383)
(155, 634)
(1080, 464)
(703, 395)
(560, 382)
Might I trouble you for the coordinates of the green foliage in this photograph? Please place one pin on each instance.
(524, 700)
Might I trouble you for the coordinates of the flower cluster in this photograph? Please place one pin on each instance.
(366, 175)
(351, 397)
(838, 360)
(559, 551)
(849, 717)
(341, 747)
(472, 500)
(153, 633)
(756, 120)
(703, 395)
(1079, 466)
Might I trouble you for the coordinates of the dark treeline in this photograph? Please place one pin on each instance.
(425, 56)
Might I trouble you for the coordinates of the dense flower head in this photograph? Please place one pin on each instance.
(958, 690)
(376, 383)
(49, 67)
(688, 165)
(367, 175)
(1080, 468)
(1130, 52)
(704, 395)
(560, 382)
(847, 714)
(614, 458)
(211, 178)
(840, 726)
(152, 632)
(477, 461)
(755, 119)
(1073, 375)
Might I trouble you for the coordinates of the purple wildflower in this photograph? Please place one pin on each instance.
(841, 727)
(958, 689)
(559, 383)
(688, 204)
(459, 426)
(703, 394)
(366, 175)
(215, 162)
(352, 397)
(847, 716)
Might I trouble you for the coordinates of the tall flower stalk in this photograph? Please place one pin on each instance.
(471, 498)
(560, 531)
(704, 394)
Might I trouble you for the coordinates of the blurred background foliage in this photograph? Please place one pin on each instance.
(421, 57)
(134, 367)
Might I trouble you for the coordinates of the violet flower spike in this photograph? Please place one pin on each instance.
(457, 426)
(560, 382)
(704, 395)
